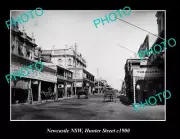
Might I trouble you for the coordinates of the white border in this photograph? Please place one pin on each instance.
(90, 120)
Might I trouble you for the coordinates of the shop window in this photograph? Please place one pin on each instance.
(28, 53)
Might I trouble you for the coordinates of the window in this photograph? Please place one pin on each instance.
(28, 53)
(59, 61)
(13, 45)
(31, 54)
(20, 49)
(69, 61)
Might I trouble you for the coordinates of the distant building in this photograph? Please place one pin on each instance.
(68, 59)
(123, 88)
(65, 57)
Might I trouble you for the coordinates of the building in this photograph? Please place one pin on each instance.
(123, 88)
(82, 78)
(129, 66)
(67, 58)
(24, 52)
(158, 59)
(99, 85)
(145, 46)
(142, 80)
(74, 62)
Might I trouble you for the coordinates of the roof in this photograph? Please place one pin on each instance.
(48, 52)
(64, 68)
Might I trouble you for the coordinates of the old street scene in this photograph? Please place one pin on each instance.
(88, 73)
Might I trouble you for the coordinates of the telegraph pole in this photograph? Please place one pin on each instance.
(75, 68)
(98, 79)
(65, 54)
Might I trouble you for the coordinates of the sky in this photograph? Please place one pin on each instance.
(97, 45)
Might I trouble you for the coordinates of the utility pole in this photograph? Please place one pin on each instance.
(98, 79)
(65, 55)
(75, 68)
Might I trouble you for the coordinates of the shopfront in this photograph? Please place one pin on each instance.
(147, 82)
(32, 84)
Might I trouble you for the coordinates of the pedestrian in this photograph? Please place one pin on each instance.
(93, 90)
(138, 91)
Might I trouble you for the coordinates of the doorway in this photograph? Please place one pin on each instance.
(34, 86)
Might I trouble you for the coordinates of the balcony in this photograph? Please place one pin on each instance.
(61, 77)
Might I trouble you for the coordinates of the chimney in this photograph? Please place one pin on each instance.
(52, 50)
(33, 39)
(24, 32)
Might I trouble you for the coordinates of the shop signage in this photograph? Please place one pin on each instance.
(78, 73)
(60, 86)
(78, 84)
(148, 72)
(68, 85)
(143, 62)
(45, 76)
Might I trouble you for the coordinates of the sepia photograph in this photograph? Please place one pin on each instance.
(88, 65)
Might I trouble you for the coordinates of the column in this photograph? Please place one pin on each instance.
(39, 91)
(72, 93)
(90, 89)
(29, 92)
(134, 89)
(65, 89)
(55, 91)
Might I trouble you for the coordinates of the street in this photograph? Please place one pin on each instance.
(93, 108)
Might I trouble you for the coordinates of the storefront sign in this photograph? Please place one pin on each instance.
(143, 62)
(148, 72)
(78, 73)
(34, 74)
(78, 84)
(68, 85)
(23, 71)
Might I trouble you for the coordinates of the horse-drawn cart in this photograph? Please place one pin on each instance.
(110, 93)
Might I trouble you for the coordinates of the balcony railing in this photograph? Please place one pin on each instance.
(61, 77)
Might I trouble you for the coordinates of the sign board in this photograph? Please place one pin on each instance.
(78, 73)
(34, 74)
(143, 62)
(68, 85)
(78, 84)
(148, 72)
(60, 86)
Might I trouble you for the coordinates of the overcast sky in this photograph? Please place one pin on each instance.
(97, 45)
